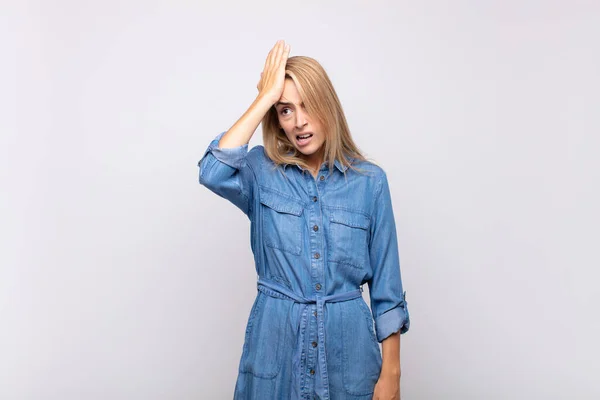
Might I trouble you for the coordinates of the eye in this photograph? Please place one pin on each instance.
(282, 111)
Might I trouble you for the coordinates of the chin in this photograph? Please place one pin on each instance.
(307, 152)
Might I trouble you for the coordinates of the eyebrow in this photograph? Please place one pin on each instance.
(285, 103)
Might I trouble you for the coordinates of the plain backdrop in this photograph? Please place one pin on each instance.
(122, 278)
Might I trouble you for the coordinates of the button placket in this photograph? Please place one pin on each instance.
(311, 359)
(317, 270)
(317, 274)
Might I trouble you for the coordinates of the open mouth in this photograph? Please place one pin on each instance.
(303, 139)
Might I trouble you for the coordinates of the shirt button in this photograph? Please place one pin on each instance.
(317, 255)
(314, 198)
(314, 344)
(318, 286)
(315, 228)
(322, 177)
(312, 371)
(315, 313)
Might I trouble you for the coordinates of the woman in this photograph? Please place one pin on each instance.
(321, 226)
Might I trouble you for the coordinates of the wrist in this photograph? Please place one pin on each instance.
(391, 370)
(260, 106)
(265, 100)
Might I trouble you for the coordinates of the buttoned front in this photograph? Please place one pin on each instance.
(315, 241)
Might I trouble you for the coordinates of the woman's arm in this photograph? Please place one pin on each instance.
(388, 301)
(223, 167)
(270, 87)
(388, 384)
(391, 356)
(241, 132)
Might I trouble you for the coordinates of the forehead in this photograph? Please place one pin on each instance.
(290, 93)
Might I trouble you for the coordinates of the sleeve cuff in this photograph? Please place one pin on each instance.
(232, 156)
(392, 321)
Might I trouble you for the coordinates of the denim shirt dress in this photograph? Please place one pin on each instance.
(310, 334)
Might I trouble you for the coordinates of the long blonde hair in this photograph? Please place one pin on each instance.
(322, 103)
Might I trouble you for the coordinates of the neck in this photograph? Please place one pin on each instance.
(314, 161)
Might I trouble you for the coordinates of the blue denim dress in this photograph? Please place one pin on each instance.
(310, 334)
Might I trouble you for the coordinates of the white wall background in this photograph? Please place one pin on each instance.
(122, 278)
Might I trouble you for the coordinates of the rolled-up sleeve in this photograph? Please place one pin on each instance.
(388, 300)
(225, 172)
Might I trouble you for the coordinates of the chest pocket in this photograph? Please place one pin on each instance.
(348, 237)
(282, 221)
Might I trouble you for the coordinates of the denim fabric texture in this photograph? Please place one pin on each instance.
(310, 334)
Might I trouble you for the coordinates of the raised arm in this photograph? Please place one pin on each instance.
(223, 167)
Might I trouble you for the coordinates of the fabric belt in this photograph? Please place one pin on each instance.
(322, 384)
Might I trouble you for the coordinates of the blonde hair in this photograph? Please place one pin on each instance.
(322, 103)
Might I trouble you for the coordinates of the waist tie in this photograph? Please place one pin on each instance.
(322, 386)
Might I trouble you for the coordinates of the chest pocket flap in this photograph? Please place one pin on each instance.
(282, 221)
(280, 203)
(348, 237)
(350, 218)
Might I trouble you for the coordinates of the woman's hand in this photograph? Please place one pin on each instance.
(272, 79)
(387, 387)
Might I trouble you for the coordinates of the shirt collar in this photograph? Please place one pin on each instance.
(342, 168)
(338, 164)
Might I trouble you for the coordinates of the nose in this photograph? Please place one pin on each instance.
(301, 118)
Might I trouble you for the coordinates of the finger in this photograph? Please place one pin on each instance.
(285, 55)
(268, 59)
(279, 53)
(273, 53)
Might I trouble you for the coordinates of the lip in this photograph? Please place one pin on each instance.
(302, 134)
